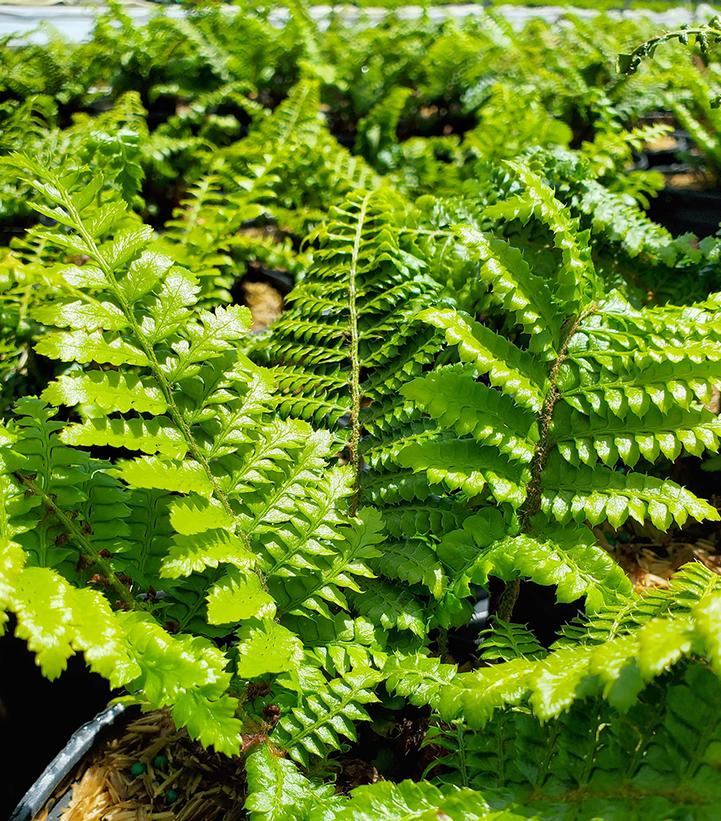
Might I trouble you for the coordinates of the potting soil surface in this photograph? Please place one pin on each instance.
(152, 772)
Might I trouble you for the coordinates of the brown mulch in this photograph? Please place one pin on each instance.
(650, 567)
(650, 557)
(180, 781)
(265, 303)
(688, 180)
(666, 142)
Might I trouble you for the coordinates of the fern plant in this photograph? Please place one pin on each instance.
(584, 388)
(528, 430)
(536, 423)
(605, 659)
(486, 368)
(231, 515)
(571, 767)
(340, 354)
(576, 731)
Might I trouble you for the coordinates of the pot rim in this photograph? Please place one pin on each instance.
(79, 745)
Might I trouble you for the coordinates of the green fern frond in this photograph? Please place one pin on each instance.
(656, 760)
(530, 458)
(278, 791)
(506, 640)
(57, 620)
(409, 799)
(617, 667)
(198, 410)
(322, 719)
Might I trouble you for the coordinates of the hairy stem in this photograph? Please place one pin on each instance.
(532, 503)
(508, 600)
(84, 544)
(355, 435)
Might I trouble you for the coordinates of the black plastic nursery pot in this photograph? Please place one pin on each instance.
(127, 764)
(281, 281)
(680, 209)
(683, 210)
(37, 716)
(48, 789)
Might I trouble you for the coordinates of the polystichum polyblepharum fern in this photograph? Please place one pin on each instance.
(592, 384)
(231, 504)
(476, 382)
